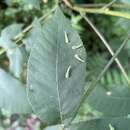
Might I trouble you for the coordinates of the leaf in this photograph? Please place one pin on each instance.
(97, 124)
(8, 34)
(56, 127)
(56, 79)
(113, 101)
(17, 56)
(103, 124)
(125, 1)
(13, 94)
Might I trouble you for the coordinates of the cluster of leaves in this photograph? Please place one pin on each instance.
(56, 80)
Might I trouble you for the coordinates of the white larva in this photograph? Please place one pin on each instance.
(111, 127)
(67, 74)
(78, 58)
(62, 127)
(31, 88)
(77, 46)
(10, 51)
(66, 37)
(108, 93)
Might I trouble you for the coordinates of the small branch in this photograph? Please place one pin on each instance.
(97, 10)
(100, 5)
(68, 4)
(2, 51)
(109, 4)
(93, 85)
(107, 46)
(102, 11)
(99, 34)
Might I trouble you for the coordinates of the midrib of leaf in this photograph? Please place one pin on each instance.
(57, 79)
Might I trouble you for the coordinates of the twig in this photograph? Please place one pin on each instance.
(109, 4)
(91, 87)
(107, 46)
(21, 34)
(102, 38)
(104, 12)
(97, 10)
(124, 6)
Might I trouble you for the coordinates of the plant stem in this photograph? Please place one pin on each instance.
(107, 46)
(2, 51)
(97, 10)
(124, 6)
(93, 85)
(28, 28)
(103, 11)
(109, 4)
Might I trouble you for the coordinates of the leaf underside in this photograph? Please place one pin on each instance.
(98, 124)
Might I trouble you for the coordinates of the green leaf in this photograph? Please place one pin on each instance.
(17, 56)
(113, 101)
(97, 124)
(56, 79)
(103, 124)
(13, 94)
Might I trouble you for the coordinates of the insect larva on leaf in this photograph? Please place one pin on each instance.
(67, 74)
(66, 37)
(62, 127)
(31, 88)
(111, 127)
(108, 93)
(79, 58)
(77, 46)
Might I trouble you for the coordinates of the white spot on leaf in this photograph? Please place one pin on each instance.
(66, 37)
(79, 58)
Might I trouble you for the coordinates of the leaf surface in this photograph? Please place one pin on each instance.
(13, 96)
(15, 54)
(103, 124)
(97, 124)
(56, 79)
(111, 102)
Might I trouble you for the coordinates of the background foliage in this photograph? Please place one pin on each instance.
(15, 15)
